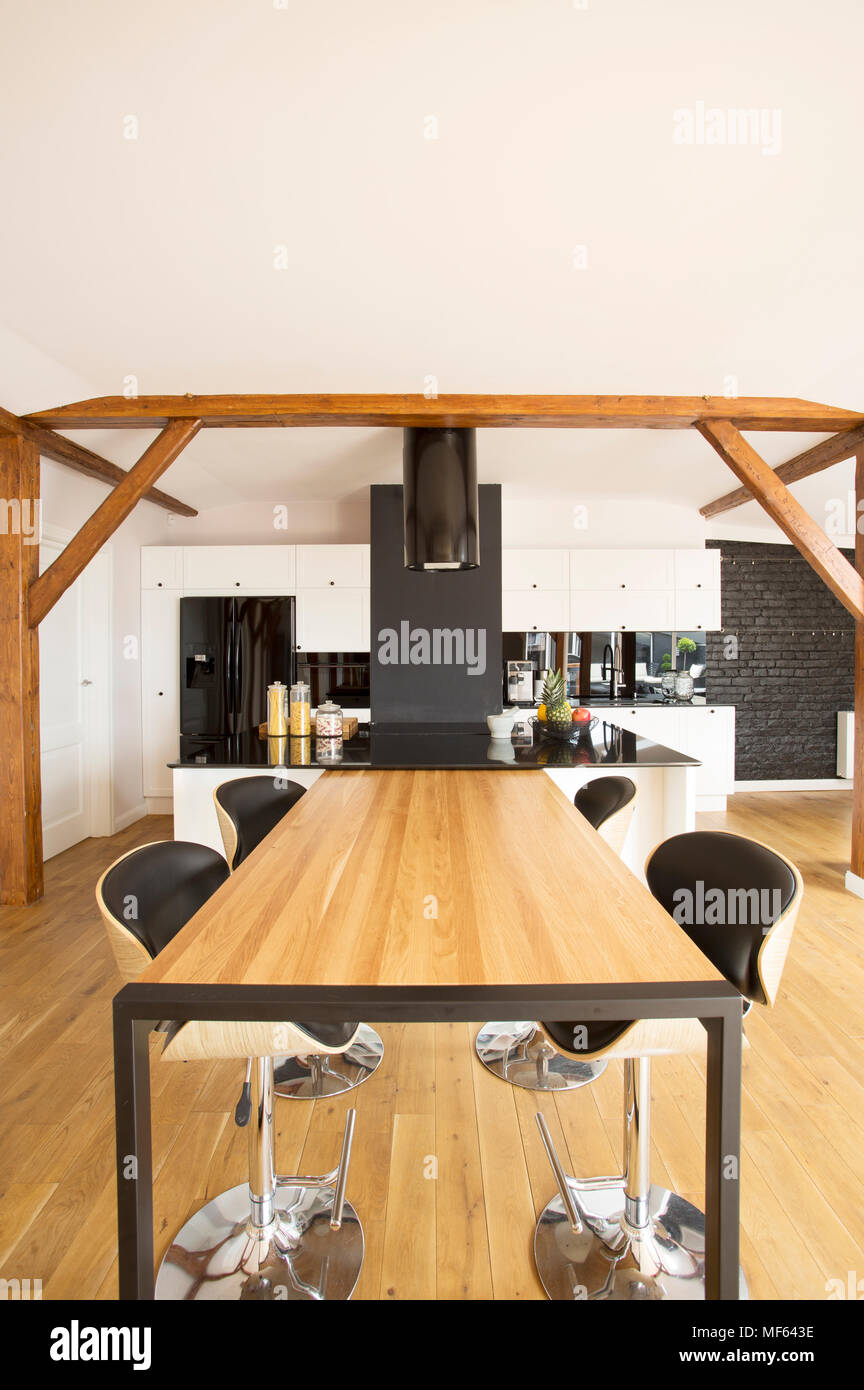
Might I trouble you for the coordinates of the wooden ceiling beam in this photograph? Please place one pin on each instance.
(830, 451)
(771, 493)
(53, 583)
(54, 446)
(530, 412)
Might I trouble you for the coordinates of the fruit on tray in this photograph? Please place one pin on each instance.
(581, 715)
(558, 711)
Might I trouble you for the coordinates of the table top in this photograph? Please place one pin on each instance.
(425, 878)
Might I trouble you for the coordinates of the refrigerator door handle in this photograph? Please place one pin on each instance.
(229, 688)
(238, 671)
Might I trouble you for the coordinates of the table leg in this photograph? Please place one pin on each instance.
(723, 1155)
(134, 1158)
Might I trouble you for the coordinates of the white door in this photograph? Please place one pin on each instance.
(75, 706)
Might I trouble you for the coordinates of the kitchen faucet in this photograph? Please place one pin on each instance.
(611, 670)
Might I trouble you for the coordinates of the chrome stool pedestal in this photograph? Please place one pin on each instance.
(320, 1074)
(277, 1239)
(521, 1053)
(621, 1238)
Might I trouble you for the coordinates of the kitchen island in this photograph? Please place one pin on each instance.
(665, 804)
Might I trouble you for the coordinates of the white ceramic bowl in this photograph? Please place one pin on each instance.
(501, 725)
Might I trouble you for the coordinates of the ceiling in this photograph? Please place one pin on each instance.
(282, 223)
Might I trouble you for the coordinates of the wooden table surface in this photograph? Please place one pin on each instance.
(431, 878)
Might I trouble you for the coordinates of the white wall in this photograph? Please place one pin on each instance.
(30, 380)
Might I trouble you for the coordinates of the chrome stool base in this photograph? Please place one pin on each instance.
(521, 1054)
(219, 1255)
(665, 1259)
(319, 1074)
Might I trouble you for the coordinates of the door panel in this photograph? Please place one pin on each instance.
(63, 723)
(264, 652)
(206, 665)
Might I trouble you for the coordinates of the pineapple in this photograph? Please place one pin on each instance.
(558, 711)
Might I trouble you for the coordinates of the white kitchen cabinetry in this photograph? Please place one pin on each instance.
(697, 610)
(608, 610)
(535, 569)
(161, 567)
(535, 610)
(706, 732)
(333, 620)
(250, 569)
(622, 569)
(332, 566)
(697, 569)
(160, 687)
(536, 590)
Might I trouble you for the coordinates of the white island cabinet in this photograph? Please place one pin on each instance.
(706, 732)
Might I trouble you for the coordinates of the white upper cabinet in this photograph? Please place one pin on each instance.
(161, 567)
(622, 569)
(251, 569)
(535, 610)
(332, 566)
(535, 569)
(697, 610)
(608, 610)
(333, 620)
(697, 569)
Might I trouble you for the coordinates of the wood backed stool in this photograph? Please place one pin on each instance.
(621, 1237)
(273, 1238)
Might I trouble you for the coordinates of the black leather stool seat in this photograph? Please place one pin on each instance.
(328, 1034)
(255, 805)
(754, 884)
(735, 885)
(603, 797)
(154, 891)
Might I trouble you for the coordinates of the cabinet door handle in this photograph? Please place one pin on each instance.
(236, 583)
(158, 583)
(332, 583)
(160, 692)
(533, 586)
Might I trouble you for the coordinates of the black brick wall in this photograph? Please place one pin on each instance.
(787, 688)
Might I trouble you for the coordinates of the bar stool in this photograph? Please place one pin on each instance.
(520, 1052)
(623, 1238)
(247, 809)
(274, 1238)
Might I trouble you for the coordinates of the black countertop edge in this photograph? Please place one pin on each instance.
(606, 746)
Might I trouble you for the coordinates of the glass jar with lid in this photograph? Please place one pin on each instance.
(328, 720)
(300, 711)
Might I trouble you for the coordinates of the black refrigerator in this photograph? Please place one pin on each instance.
(231, 649)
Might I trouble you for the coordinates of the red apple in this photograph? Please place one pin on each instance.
(581, 715)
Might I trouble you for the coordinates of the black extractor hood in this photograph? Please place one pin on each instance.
(440, 499)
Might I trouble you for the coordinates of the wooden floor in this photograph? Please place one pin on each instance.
(448, 1171)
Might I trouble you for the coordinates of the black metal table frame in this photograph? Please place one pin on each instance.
(138, 1008)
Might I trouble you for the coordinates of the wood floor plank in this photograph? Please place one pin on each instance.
(467, 1232)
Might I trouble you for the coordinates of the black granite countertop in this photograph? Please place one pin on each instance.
(434, 746)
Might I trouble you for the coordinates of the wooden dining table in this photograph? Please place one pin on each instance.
(430, 895)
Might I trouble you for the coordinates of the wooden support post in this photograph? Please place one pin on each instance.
(855, 877)
(20, 785)
(844, 581)
(99, 528)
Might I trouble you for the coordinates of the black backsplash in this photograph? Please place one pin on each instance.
(436, 692)
(794, 665)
